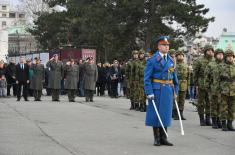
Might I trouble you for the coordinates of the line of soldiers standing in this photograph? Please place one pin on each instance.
(135, 80)
(214, 76)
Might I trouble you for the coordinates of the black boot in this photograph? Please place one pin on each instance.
(137, 107)
(219, 123)
(182, 116)
(202, 120)
(163, 138)
(230, 126)
(145, 107)
(156, 134)
(224, 125)
(141, 107)
(208, 120)
(214, 123)
(132, 106)
(176, 116)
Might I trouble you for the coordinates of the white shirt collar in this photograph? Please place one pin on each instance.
(162, 55)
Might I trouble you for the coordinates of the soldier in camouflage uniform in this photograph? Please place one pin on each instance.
(212, 84)
(203, 105)
(140, 75)
(132, 81)
(227, 87)
(182, 74)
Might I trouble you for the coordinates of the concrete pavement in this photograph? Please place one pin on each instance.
(105, 127)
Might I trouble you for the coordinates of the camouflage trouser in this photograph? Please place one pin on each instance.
(134, 94)
(128, 89)
(142, 97)
(203, 105)
(180, 100)
(227, 108)
(215, 105)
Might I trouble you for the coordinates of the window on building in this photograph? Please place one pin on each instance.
(4, 23)
(12, 15)
(4, 15)
(226, 41)
(233, 41)
(4, 7)
(21, 15)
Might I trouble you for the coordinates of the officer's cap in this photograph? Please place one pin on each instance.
(163, 40)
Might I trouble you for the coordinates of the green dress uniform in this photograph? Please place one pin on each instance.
(227, 87)
(37, 80)
(203, 105)
(212, 84)
(55, 77)
(71, 80)
(183, 78)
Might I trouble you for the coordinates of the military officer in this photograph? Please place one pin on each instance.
(182, 74)
(227, 87)
(212, 84)
(140, 75)
(160, 84)
(38, 78)
(56, 71)
(203, 105)
(71, 79)
(132, 81)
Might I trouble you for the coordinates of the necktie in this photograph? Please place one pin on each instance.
(164, 57)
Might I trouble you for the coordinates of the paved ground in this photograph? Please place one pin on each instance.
(105, 127)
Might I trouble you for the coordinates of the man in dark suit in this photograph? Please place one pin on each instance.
(22, 79)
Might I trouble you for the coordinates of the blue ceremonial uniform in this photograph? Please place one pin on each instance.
(159, 69)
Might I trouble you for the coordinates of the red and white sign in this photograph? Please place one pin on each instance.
(86, 53)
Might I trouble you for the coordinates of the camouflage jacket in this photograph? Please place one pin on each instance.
(227, 79)
(199, 69)
(211, 80)
(140, 71)
(183, 75)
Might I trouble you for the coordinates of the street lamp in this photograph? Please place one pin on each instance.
(18, 41)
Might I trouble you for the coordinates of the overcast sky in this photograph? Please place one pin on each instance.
(222, 10)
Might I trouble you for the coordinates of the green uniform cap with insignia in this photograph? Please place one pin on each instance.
(172, 51)
(207, 47)
(135, 52)
(179, 53)
(229, 53)
(218, 50)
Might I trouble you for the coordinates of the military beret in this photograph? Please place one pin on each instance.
(163, 40)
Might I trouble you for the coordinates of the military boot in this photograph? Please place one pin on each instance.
(230, 126)
(137, 106)
(182, 116)
(156, 134)
(141, 107)
(163, 138)
(214, 123)
(145, 107)
(224, 125)
(132, 106)
(219, 123)
(208, 120)
(202, 120)
(176, 116)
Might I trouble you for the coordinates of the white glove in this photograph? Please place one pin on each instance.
(151, 96)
